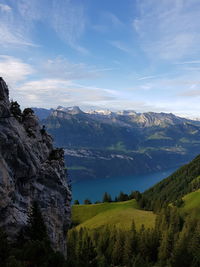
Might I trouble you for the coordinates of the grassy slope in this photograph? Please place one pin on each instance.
(191, 203)
(120, 214)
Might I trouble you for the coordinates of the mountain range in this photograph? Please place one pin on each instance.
(132, 143)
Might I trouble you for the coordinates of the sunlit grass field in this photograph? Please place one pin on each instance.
(191, 203)
(120, 214)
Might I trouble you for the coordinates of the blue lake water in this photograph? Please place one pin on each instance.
(95, 188)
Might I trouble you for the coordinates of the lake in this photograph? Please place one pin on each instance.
(95, 188)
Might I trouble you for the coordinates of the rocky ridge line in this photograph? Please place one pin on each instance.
(30, 170)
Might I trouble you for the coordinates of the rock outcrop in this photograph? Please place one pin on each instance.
(30, 170)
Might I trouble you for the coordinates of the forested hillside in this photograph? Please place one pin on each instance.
(172, 189)
(173, 241)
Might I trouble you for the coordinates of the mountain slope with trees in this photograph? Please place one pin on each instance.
(137, 142)
(172, 189)
(173, 241)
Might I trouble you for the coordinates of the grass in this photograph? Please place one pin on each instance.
(120, 214)
(191, 203)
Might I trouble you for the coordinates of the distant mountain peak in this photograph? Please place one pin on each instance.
(70, 110)
(104, 112)
(126, 112)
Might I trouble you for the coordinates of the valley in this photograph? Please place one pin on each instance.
(127, 234)
(132, 143)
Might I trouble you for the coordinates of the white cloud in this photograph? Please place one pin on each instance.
(8, 37)
(169, 29)
(62, 68)
(5, 8)
(120, 45)
(54, 92)
(13, 70)
(44, 85)
(15, 30)
(59, 85)
(113, 19)
(68, 19)
(146, 78)
(191, 93)
(65, 17)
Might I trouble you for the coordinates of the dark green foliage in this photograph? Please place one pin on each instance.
(107, 197)
(178, 203)
(4, 247)
(76, 202)
(135, 195)
(32, 249)
(122, 197)
(27, 111)
(173, 188)
(173, 242)
(15, 110)
(36, 229)
(87, 201)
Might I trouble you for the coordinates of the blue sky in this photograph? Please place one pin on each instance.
(112, 54)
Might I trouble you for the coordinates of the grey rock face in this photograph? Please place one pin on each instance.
(31, 169)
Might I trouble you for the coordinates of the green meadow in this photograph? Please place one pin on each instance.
(120, 214)
(191, 203)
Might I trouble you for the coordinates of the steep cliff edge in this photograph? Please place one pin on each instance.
(30, 169)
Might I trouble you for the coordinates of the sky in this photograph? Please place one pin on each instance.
(142, 55)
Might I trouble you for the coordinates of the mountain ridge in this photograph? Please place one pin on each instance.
(152, 141)
(145, 118)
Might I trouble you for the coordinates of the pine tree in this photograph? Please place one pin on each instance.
(181, 256)
(86, 251)
(87, 201)
(76, 202)
(15, 110)
(4, 247)
(106, 197)
(194, 247)
(36, 229)
(166, 247)
(122, 197)
(72, 240)
(139, 261)
(118, 249)
(128, 250)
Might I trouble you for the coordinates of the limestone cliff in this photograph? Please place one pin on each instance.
(30, 169)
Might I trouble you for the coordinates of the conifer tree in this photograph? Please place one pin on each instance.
(118, 249)
(87, 201)
(107, 197)
(166, 247)
(128, 250)
(36, 229)
(4, 247)
(194, 247)
(76, 202)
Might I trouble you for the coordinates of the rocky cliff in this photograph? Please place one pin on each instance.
(30, 169)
